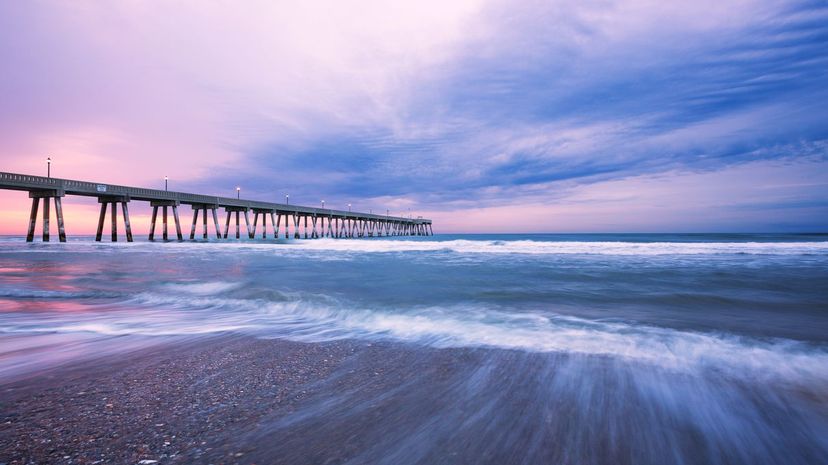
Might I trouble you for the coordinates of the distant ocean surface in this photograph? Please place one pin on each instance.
(712, 346)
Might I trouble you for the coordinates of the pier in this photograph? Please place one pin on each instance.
(308, 222)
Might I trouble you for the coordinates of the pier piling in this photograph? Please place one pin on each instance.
(32, 219)
(164, 233)
(195, 220)
(111, 202)
(47, 196)
(127, 225)
(205, 230)
(46, 221)
(164, 205)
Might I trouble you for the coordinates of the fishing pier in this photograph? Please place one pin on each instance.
(308, 222)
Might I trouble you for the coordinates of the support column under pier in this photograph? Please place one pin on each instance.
(114, 218)
(278, 224)
(165, 205)
(237, 210)
(32, 219)
(195, 221)
(205, 230)
(216, 223)
(247, 223)
(47, 196)
(263, 213)
(204, 224)
(127, 225)
(164, 233)
(264, 224)
(112, 202)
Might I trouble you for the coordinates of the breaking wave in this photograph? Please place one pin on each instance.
(211, 308)
(567, 247)
(464, 246)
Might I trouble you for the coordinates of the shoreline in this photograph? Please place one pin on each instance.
(175, 402)
(199, 401)
(237, 399)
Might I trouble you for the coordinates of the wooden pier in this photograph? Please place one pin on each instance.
(308, 222)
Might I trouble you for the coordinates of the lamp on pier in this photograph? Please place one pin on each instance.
(238, 192)
(166, 182)
(287, 199)
(349, 207)
(48, 167)
(323, 204)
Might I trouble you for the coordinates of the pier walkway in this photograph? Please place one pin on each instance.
(308, 222)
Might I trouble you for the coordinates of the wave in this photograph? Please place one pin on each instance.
(468, 246)
(310, 318)
(566, 247)
(203, 288)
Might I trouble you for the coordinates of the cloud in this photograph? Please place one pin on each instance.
(763, 196)
(443, 106)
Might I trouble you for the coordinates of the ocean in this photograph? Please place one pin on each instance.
(587, 348)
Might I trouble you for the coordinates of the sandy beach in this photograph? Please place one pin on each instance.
(563, 351)
(204, 401)
(174, 403)
(237, 399)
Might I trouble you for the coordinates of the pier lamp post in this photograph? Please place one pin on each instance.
(48, 167)
(349, 207)
(166, 183)
(287, 199)
(323, 204)
(238, 192)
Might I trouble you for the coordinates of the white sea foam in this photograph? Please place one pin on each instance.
(565, 247)
(199, 288)
(468, 246)
(517, 247)
(320, 319)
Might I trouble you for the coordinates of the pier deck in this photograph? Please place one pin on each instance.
(324, 222)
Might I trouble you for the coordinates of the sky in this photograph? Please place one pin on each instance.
(484, 115)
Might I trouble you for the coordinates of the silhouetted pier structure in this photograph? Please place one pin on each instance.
(308, 222)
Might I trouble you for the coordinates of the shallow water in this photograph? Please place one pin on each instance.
(614, 348)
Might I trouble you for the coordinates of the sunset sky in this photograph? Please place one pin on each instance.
(487, 116)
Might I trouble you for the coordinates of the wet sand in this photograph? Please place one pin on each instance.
(207, 401)
(237, 399)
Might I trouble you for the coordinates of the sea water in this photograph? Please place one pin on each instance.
(625, 348)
